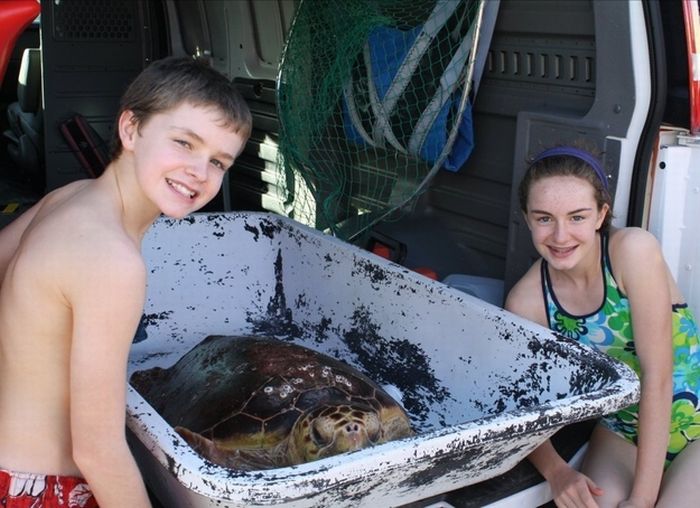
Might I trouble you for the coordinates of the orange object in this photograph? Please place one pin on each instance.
(427, 272)
(15, 16)
(382, 250)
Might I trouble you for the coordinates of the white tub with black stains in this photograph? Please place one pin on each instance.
(483, 387)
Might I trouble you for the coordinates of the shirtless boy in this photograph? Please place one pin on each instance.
(73, 288)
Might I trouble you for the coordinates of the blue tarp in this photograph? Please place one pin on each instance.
(388, 47)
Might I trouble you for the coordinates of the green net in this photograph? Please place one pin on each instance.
(373, 99)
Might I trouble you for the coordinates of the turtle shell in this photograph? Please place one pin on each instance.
(258, 402)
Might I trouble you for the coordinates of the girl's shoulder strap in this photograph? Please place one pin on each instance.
(609, 276)
(548, 301)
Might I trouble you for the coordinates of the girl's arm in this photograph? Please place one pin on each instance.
(569, 486)
(642, 275)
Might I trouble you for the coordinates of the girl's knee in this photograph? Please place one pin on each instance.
(681, 476)
(610, 462)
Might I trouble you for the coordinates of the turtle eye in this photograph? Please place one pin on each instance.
(373, 427)
(318, 435)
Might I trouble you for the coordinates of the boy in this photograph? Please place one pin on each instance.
(73, 287)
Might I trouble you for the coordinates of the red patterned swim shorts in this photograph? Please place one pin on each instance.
(29, 490)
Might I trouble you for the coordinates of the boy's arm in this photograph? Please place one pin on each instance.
(107, 302)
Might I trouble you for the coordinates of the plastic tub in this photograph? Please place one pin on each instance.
(486, 288)
(483, 387)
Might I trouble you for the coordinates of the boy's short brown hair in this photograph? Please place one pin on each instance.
(167, 83)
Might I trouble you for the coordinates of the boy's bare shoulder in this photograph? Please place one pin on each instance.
(81, 234)
(96, 245)
(101, 264)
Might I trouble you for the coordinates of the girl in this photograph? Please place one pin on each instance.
(611, 289)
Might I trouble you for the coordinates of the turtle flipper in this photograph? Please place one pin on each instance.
(203, 446)
(243, 459)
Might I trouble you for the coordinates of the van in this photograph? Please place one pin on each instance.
(622, 73)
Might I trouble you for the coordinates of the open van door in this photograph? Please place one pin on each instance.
(674, 206)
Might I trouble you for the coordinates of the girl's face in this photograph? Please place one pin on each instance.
(563, 218)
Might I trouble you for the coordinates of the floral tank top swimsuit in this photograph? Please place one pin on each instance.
(609, 330)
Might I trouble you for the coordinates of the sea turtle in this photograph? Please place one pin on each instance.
(260, 403)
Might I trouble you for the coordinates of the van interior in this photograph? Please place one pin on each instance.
(554, 72)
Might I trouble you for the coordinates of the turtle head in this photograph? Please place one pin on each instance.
(331, 430)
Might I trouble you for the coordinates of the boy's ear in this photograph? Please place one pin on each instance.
(128, 129)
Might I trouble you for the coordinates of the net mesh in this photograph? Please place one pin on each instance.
(373, 99)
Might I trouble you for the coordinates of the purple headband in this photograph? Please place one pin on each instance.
(578, 154)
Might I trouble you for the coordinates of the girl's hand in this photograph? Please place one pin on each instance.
(572, 489)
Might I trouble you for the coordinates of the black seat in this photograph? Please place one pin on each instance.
(25, 118)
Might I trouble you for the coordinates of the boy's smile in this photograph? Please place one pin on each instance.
(182, 189)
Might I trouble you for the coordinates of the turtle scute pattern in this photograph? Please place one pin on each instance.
(259, 403)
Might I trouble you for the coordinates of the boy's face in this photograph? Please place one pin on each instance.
(181, 156)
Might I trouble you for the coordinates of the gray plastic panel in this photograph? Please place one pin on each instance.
(92, 50)
(542, 58)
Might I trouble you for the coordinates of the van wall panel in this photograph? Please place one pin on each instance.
(91, 49)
